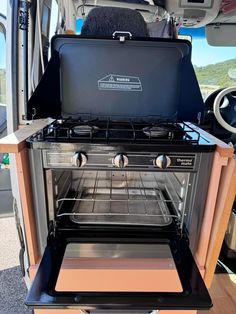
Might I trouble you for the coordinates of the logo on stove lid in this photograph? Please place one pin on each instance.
(121, 83)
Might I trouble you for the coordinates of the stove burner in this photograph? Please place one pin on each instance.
(156, 131)
(107, 130)
(85, 129)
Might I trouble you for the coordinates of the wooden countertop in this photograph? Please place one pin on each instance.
(15, 142)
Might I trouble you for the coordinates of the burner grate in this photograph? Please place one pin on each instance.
(111, 130)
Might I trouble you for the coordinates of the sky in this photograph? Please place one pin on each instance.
(202, 53)
(3, 10)
(2, 52)
(3, 7)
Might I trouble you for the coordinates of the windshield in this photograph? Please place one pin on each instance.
(215, 67)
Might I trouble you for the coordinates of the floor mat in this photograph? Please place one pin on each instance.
(12, 292)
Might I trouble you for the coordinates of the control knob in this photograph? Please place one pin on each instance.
(79, 159)
(162, 161)
(120, 161)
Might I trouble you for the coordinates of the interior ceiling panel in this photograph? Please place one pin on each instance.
(146, 8)
(192, 13)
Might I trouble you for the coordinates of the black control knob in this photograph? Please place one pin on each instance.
(162, 161)
(79, 159)
(120, 161)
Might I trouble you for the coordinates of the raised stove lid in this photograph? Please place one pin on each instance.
(112, 78)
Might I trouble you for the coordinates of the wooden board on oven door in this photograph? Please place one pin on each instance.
(79, 312)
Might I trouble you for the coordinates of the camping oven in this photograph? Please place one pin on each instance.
(121, 190)
(119, 180)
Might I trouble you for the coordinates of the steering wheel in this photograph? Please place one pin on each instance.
(226, 111)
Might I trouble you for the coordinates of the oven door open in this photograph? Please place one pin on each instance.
(104, 270)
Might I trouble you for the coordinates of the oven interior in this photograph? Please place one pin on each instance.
(122, 198)
(121, 226)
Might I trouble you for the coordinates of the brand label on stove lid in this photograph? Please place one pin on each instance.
(121, 83)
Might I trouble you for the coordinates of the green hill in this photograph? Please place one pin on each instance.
(216, 74)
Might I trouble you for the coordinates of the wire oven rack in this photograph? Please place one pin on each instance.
(111, 200)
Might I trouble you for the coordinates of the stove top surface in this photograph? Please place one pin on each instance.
(100, 130)
(146, 131)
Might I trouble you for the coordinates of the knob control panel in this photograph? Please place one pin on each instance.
(162, 161)
(90, 159)
(120, 161)
(79, 160)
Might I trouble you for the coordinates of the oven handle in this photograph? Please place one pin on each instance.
(42, 293)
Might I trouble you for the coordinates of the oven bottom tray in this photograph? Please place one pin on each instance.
(133, 206)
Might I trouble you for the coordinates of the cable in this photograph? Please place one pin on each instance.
(32, 73)
(58, 17)
(40, 35)
(81, 7)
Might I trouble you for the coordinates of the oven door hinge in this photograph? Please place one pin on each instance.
(185, 234)
(52, 230)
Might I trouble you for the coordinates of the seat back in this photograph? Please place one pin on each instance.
(104, 21)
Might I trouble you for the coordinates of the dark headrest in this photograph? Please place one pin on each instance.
(104, 21)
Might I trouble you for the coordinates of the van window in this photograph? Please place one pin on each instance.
(215, 67)
(2, 60)
(3, 124)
